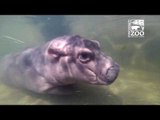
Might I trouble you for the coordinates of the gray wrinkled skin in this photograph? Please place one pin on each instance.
(60, 62)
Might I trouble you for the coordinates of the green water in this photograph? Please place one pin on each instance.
(138, 80)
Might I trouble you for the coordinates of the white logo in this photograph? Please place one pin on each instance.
(135, 28)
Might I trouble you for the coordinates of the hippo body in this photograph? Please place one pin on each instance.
(60, 62)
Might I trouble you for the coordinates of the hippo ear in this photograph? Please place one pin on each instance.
(51, 51)
(97, 43)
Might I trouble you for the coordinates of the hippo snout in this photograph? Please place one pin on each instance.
(111, 74)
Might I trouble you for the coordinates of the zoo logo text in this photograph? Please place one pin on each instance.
(135, 28)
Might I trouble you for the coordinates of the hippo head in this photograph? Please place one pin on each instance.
(73, 58)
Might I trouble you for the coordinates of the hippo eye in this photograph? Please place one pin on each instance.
(85, 57)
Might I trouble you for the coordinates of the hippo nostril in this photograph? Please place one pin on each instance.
(107, 71)
(116, 66)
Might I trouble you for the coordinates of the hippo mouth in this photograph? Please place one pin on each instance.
(94, 78)
(108, 78)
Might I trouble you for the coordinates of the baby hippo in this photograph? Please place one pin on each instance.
(60, 62)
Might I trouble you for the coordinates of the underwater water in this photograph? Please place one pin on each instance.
(139, 60)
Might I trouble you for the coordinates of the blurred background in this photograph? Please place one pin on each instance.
(139, 59)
